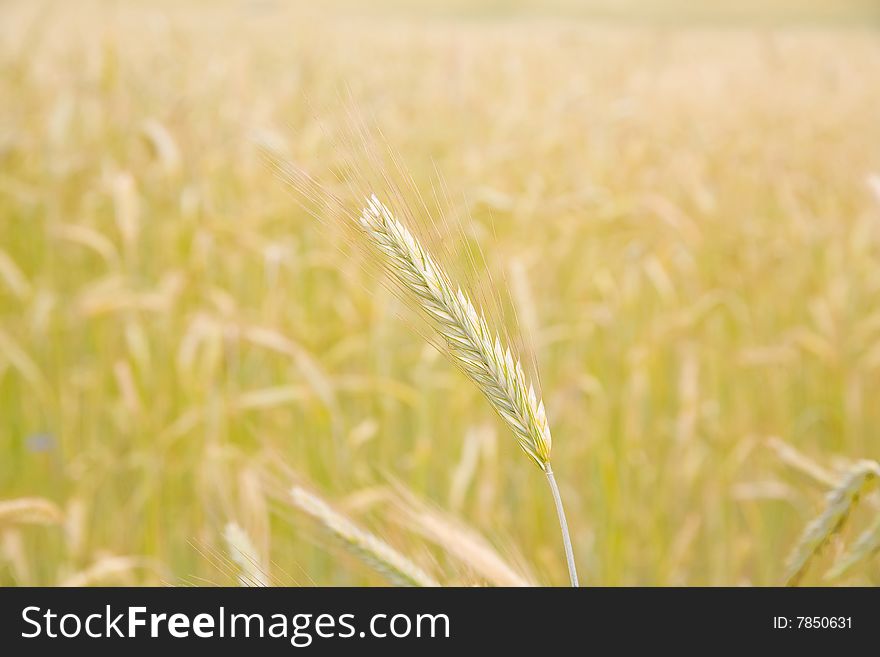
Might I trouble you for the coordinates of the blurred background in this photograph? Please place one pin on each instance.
(683, 199)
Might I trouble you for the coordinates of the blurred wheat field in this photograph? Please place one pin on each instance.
(688, 219)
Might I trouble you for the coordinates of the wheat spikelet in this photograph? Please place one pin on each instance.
(369, 548)
(468, 338)
(29, 510)
(840, 502)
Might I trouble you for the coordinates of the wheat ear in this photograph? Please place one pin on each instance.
(29, 510)
(840, 502)
(470, 342)
(865, 545)
(457, 539)
(369, 548)
(246, 556)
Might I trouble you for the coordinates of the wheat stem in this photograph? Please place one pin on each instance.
(563, 525)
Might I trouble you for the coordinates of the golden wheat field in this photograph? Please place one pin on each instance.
(683, 214)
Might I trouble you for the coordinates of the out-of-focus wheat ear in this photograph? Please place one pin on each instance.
(29, 511)
(802, 464)
(458, 540)
(470, 342)
(111, 569)
(840, 502)
(244, 553)
(867, 544)
(370, 549)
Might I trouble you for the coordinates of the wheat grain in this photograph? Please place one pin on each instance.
(369, 548)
